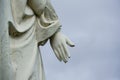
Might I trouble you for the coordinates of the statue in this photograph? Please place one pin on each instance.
(25, 25)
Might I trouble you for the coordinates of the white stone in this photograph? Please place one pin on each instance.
(25, 25)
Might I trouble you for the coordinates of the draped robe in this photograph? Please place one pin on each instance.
(28, 24)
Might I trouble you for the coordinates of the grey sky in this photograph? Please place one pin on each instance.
(94, 26)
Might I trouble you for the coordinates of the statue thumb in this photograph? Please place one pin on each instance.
(70, 43)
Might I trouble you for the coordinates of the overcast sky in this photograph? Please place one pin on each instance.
(94, 27)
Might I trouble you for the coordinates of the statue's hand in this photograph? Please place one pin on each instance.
(59, 44)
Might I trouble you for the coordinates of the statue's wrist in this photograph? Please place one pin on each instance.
(57, 32)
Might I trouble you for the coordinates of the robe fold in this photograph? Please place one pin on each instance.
(31, 23)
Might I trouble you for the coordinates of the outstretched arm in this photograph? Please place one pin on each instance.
(59, 44)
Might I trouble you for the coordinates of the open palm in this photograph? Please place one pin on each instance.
(59, 44)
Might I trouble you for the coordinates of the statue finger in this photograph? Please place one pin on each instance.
(69, 42)
(64, 53)
(66, 50)
(57, 55)
(61, 54)
(57, 49)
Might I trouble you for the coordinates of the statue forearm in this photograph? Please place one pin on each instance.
(37, 6)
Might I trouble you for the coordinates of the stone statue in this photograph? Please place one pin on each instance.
(25, 25)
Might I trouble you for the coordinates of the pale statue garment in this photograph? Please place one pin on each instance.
(25, 25)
